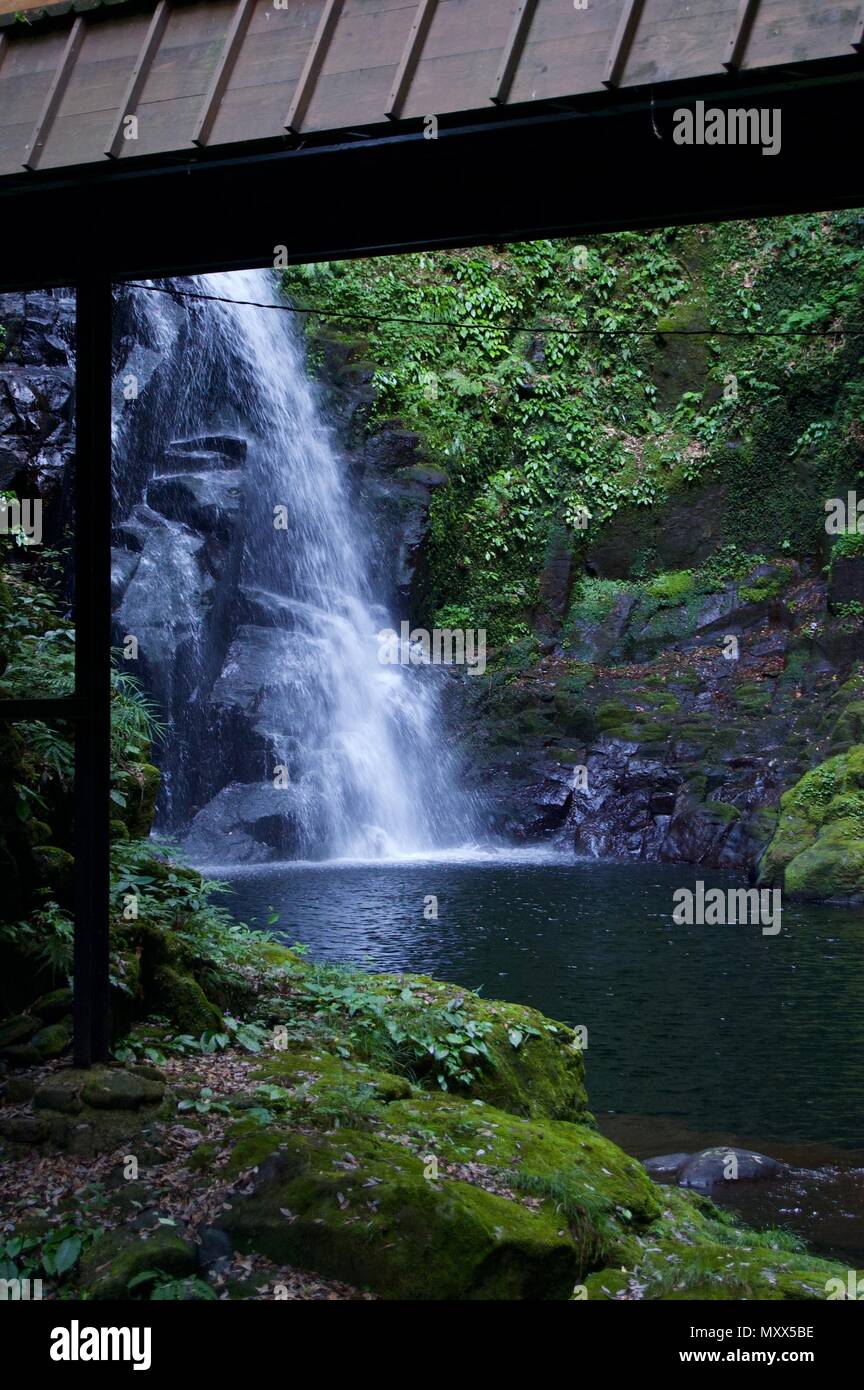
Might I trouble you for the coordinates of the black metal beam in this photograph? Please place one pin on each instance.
(92, 667)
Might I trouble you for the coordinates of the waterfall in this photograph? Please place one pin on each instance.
(251, 579)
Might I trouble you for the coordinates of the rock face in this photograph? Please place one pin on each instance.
(636, 737)
(37, 401)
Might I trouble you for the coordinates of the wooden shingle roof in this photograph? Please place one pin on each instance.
(86, 82)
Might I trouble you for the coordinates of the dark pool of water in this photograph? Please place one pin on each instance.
(695, 1034)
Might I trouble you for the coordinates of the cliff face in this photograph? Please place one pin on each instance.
(37, 405)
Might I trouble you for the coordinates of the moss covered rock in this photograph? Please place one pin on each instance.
(139, 785)
(817, 850)
(179, 997)
(117, 1257)
(54, 1039)
(360, 1208)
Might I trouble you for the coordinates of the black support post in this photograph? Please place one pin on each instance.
(92, 668)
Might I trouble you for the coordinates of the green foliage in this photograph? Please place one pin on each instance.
(205, 1104)
(175, 898)
(534, 423)
(53, 1254)
(403, 1033)
(671, 588)
(166, 1288)
(46, 937)
(847, 545)
(517, 417)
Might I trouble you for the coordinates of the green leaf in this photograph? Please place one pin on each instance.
(66, 1254)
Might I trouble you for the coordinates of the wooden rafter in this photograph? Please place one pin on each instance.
(739, 38)
(623, 42)
(224, 68)
(56, 91)
(140, 72)
(513, 50)
(410, 58)
(313, 65)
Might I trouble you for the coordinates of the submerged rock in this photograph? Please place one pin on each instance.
(712, 1167)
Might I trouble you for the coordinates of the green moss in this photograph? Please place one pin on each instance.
(251, 1147)
(182, 1000)
(848, 729)
(671, 588)
(139, 785)
(55, 868)
(117, 1257)
(54, 1039)
(818, 848)
(362, 1210)
(754, 696)
(721, 812)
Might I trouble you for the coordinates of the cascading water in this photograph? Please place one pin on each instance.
(339, 755)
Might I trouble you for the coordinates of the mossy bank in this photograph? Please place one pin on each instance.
(376, 1136)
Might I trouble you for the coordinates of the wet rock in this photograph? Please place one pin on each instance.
(228, 449)
(847, 580)
(712, 1167)
(123, 566)
(208, 502)
(245, 824)
(682, 533)
(556, 582)
(666, 1166)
